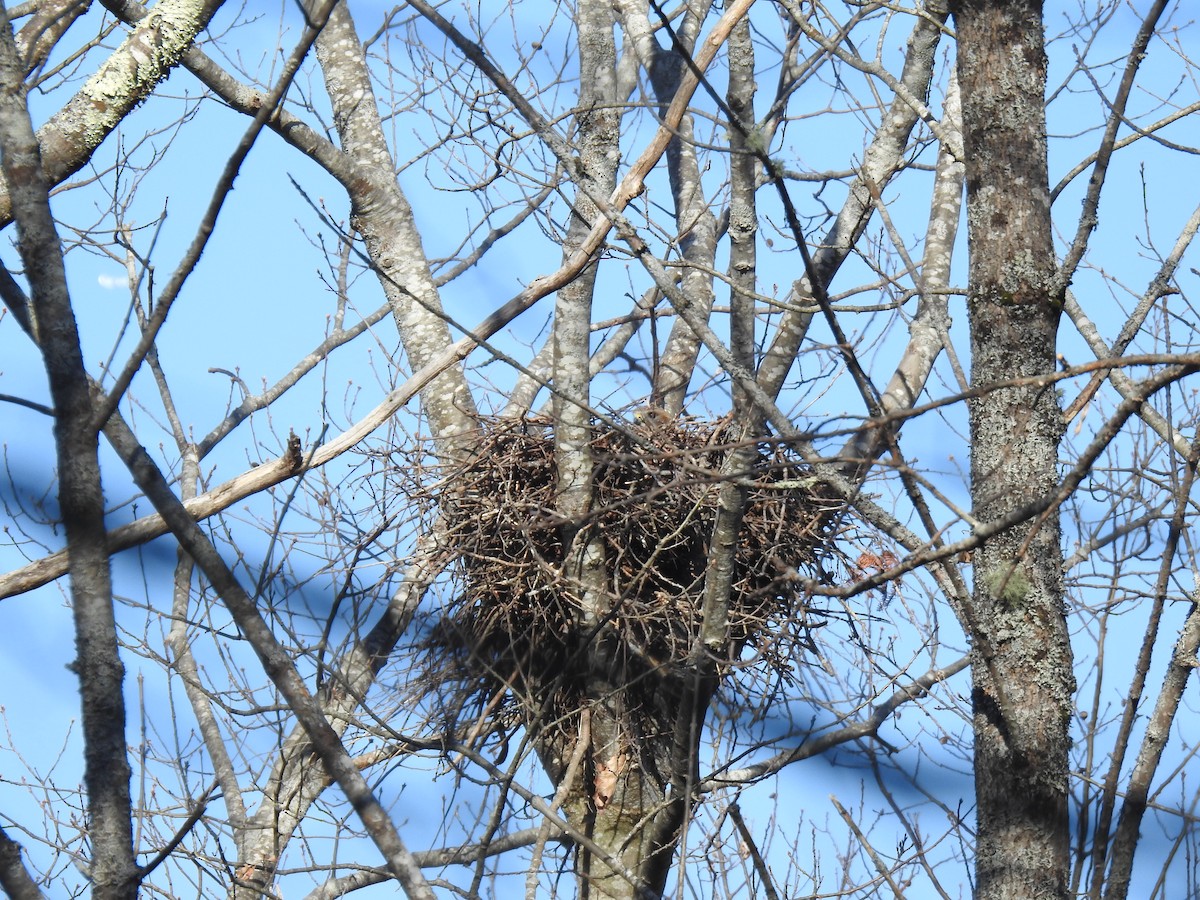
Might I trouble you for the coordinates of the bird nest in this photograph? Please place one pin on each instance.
(520, 621)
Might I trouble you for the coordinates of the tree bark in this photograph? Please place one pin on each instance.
(695, 223)
(147, 56)
(384, 218)
(884, 157)
(604, 726)
(1023, 681)
(113, 868)
(15, 879)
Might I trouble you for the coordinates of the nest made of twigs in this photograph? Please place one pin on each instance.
(655, 491)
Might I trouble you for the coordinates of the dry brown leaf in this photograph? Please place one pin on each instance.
(605, 782)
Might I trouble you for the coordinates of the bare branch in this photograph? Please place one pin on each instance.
(816, 746)
(114, 872)
(125, 79)
(14, 877)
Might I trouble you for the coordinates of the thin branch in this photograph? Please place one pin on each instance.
(269, 474)
(1088, 218)
(1183, 662)
(198, 809)
(28, 404)
(876, 860)
(51, 320)
(208, 221)
(1159, 287)
(882, 160)
(867, 727)
(433, 859)
(121, 83)
(1139, 133)
(760, 864)
(277, 664)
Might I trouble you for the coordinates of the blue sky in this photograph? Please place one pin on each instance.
(260, 299)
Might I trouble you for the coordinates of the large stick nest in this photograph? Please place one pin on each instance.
(518, 621)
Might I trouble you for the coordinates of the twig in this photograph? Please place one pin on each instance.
(760, 864)
(880, 866)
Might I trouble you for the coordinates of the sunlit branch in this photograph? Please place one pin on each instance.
(1159, 287)
(883, 158)
(125, 79)
(269, 474)
(1183, 661)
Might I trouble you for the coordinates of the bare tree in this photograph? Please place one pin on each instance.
(588, 512)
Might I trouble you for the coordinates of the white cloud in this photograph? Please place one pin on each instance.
(111, 282)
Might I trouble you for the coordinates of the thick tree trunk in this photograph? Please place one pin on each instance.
(1023, 680)
(607, 795)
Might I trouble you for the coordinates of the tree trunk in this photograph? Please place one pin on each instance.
(50, 319)
(608, 795)
(1023, 682)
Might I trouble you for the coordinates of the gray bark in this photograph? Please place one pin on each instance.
(113, 868)
(1158, 729)
(40, 34)
(616, 824)
(323, 740)
(930, 328)
(384, 218)
(382, 215)
(695, 223)
(883, 159)
(1136, 788)
(125, 79)
(15, 879)
(1022, 674)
